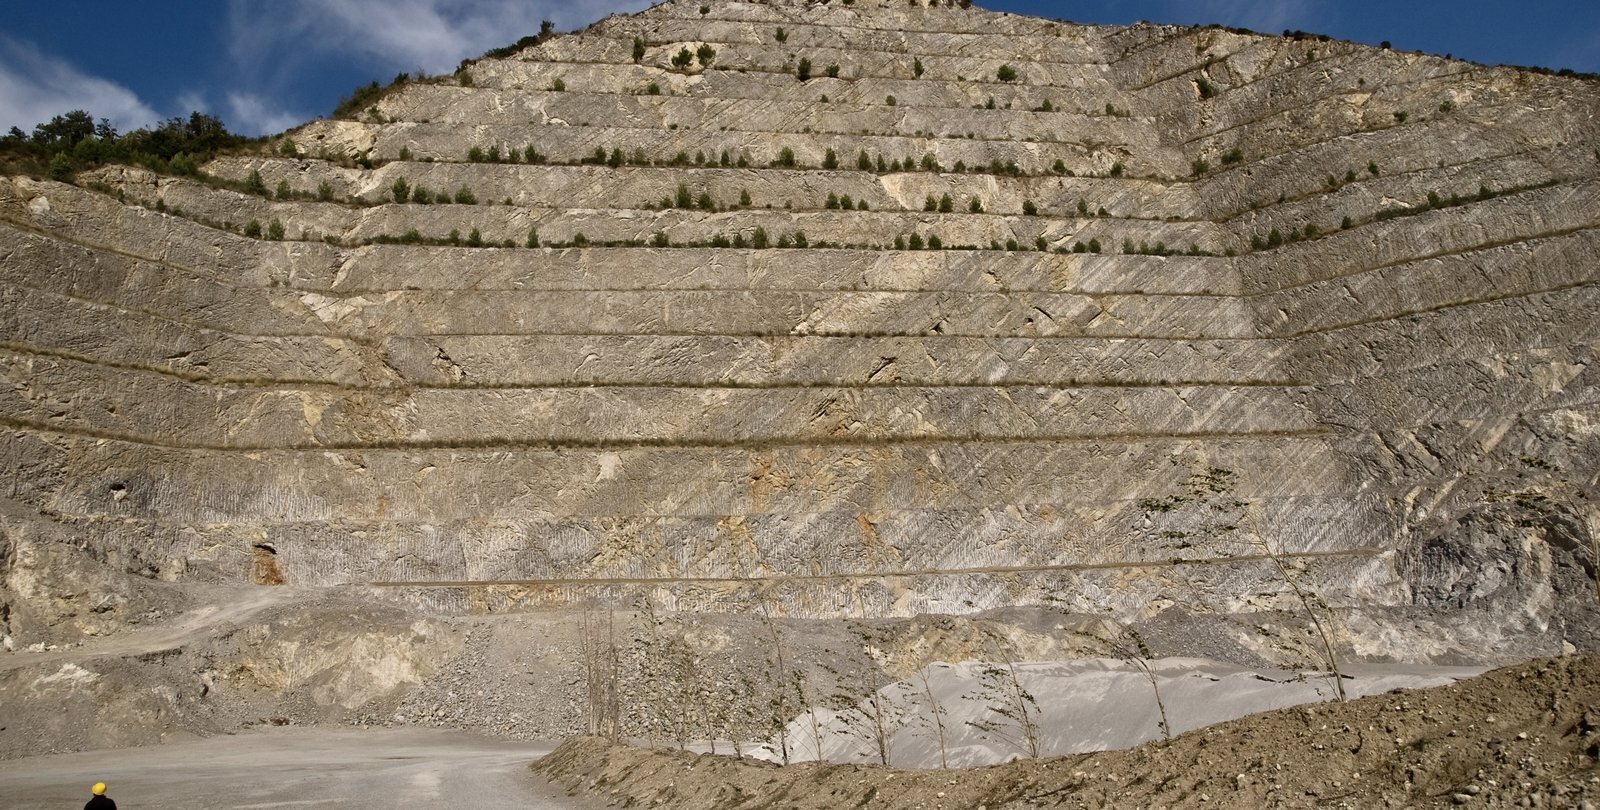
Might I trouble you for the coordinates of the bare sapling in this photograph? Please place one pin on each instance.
(1207, 515)
(1316, 610)
(937, 714)
(780, 708)
(1014, 710)
(1128, 645)
(601, 668)
(868, 716)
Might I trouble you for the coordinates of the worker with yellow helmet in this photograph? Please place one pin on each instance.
(100, 801)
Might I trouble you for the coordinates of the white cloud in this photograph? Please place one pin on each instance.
(254, 115)
(398, 35)
(35, 86)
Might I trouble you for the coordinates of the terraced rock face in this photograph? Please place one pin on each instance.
(988, 311)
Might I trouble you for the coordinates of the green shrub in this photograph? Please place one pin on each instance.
(182, 164)
(785, 158)
(1029, 209)
(845, 202)
(325, 191)
(275, 230)
(1372, 168)
(474, 239)
(1446, 106)
(494, 154)
(464, 196)
(1200, 166)
(559, 85)
(830, 160)
(401, 190)
(832, 201)
(915, 242)
(1116, 169)
(861, 205)
(781, 36)
(1094, 245)
(704, 54)
(899, 242)
(1006, 73)
(638, 49)
(683, 58)
(660, 240)
(252, 229)
(654, 89)
(475, 155)
(803, 71)
(1011, 245)
(864, 161)
(744, 198)
(705, 202)
(683, 199)
(890, 100)
(975, 205)
(1400, 116)
(1346, 223)
(946, 204)
(1205, 87)
(833, 73)
(420, 195)
(533, 238)
(758, 240)
(1060, 167)
(934, 242)
(1233, 156)
(284, 192)
(254, 185)
(930, 204)
(1083, 208)
(916, 68)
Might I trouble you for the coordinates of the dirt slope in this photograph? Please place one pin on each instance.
(1524, 736)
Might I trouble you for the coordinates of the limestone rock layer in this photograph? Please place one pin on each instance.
(987, 310)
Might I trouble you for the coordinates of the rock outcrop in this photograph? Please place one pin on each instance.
(850, 309)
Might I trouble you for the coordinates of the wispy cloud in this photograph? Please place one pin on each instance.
(35, 86)
(399, 35)
(254, 115)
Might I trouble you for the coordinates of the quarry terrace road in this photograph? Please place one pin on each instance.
(294, 768)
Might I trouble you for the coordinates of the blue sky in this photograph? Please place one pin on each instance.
(265, 65)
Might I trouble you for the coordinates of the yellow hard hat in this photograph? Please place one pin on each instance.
(99, 789)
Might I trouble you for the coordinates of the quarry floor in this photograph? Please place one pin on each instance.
(298, 768)
(1525, 736)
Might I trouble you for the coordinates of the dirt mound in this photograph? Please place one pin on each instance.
(1525, 736)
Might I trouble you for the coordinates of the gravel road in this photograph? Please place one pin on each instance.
(293, 768)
